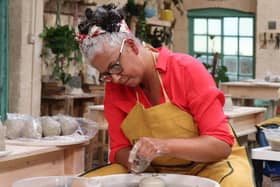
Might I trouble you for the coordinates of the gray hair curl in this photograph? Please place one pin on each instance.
(91, 46)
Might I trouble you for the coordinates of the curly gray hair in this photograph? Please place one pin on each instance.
(90, 47)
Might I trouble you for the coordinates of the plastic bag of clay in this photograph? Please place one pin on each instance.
(32, 128)
(76, 126)
(50, 126)
(68, 125)
(88, 127)
(2, 137)
(14, 125)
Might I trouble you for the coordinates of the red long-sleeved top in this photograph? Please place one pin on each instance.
(188, 85)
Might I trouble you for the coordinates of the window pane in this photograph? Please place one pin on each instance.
(200, 26)
(245, 78)
(231, 63)
(202, 58)
(232, 77)
(246, 46)
(214, 26)
(231, 37)
(211, 58)
(246, 27)
(246, 66)
(230, 46)
(231, 26)
(214, 44)
(200, 43)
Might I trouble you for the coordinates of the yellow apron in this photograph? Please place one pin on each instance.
(168, 121)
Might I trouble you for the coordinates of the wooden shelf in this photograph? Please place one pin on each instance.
(68, 7)
(157, 22)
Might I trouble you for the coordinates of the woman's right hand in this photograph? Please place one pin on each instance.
(143, 152)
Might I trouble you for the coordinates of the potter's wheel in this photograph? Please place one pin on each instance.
(119, 180)
(170, 180)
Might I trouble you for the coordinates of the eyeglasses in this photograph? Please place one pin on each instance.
(113, 69)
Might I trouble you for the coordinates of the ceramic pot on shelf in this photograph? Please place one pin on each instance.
(151, 9)
(166, 15)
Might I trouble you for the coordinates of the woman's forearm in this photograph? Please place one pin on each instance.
(200, 149)
(122, 157)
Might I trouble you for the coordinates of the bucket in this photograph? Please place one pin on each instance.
(166, 15)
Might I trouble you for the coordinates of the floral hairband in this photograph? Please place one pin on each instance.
(96, 31)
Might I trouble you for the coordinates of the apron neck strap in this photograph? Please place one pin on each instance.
(137, 96)
(161, 84)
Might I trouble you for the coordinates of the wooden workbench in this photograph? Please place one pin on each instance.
(254, 89)
(265, 153)
(72, 104)
(31, 161)
(243, 119)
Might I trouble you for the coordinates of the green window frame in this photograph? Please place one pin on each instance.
(224, 32)
(3, 59)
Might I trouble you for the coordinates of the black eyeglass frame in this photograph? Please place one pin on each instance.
(113, 69)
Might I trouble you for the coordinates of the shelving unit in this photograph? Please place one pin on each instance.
(69, 7)
(154, 21)
(98, 147)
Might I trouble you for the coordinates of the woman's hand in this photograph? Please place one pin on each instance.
(144, 151)
(199, 149)
(150, 148)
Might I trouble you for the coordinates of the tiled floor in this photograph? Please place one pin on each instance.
(266, 182)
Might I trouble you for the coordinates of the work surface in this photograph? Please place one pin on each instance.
(265, 153)
(252, 89)
(243, 119)
(31, 161)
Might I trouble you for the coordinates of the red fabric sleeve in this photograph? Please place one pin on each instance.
(206, 103)
(114, 116)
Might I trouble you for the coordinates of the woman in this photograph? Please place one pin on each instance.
(164, 111)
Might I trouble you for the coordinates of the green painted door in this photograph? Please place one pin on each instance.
(3, 59)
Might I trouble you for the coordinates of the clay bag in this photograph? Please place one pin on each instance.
(50, 126)
(14, 128)
(32, 129)
(68, 125)
(2, 137)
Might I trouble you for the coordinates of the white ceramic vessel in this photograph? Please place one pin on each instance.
(228, 103)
